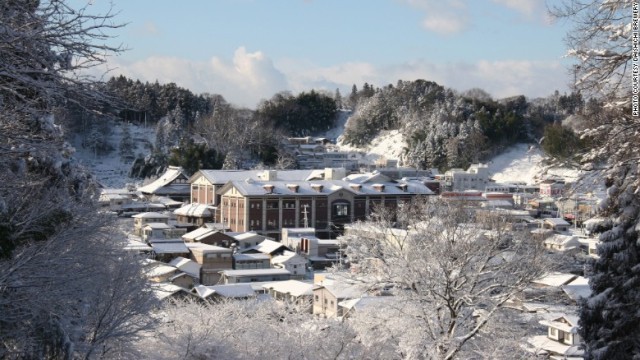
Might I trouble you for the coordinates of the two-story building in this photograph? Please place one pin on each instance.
(267, 206)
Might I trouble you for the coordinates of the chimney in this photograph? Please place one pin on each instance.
(269, 175)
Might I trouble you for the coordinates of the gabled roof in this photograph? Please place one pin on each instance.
(578, 288)
(255, 272)
(172, 173)
(228, 291)
(198, 233)
(199, 210)
(163, 290)
(555, 279)
(169, 248)
(293, 287)
(342, 290)
(206, 248)
(150, 215)
(566, 323)
(267, 247)
(286, 257)
(224, 176)
(556, 222)
(187, 266)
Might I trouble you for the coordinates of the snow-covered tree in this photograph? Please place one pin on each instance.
(451, 272)
(127, 146)
(602, 43)
(67, 289)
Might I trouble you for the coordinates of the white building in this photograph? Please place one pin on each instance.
(475, 178)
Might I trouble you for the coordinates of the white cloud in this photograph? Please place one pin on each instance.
(531, 9)
(444, 17)
(248, 77)
(244, 80)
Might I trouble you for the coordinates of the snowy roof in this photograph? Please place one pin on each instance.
(342, 290)
(163, 290)
(200, 210)
(136, 245)
(578, 288)
(206, 248)
(556, 222)
(247, 236)
(566, 323)
(287, 256)
(167, 201)
(266, 247)
(255, 272)
(198, 233)
(224, 176)
(169, 248)
(325, 187)
(366, 301)
(187, 266)
(158, 269)
(157, 226)
(555, 279)
(245, 257)
(542, 342)
(164, 181)
(293, 287)
(233, 290)
(564, 240)
(152, 215)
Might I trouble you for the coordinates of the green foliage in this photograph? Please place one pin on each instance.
(300, 115)
(193, 157)
(561, 142)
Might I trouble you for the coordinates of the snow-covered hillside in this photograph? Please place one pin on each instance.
(109, 169)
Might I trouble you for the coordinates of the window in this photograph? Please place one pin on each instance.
(553, 332)
(340, 210)
(317, 298)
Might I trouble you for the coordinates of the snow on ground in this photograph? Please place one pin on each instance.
(519, 163)
(109, 169)
(389, 144)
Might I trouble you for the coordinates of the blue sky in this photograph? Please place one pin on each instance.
(247, 50)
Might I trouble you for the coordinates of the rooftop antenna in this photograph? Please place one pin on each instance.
(305, 213)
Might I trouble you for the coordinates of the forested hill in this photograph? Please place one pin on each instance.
(445, 129)
(441, 127)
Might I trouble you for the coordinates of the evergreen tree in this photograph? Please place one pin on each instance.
(127, 146)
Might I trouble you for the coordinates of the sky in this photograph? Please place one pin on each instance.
(248, 50)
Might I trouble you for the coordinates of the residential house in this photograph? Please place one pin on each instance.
(209, 236)
(577, 289)
(268, 247)
(559, 242)
(329, 293)
(174, 183)
(141, 220)
(251, 261)
(292, 291)
(168, 249)
(196, 214)
(254, 275)
(161, 231)
(291, 261)
(556, 224)
(212, 260)
(249, 239)
(216, 293)
(190, 272)
(562, 340)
